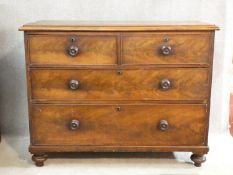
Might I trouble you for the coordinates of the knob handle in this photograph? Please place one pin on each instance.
(73, 84)
(165, 84)
(73, 51)
(166, 50)
(74, 124)
(163, 125)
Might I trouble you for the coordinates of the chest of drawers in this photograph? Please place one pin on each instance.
(118, 87)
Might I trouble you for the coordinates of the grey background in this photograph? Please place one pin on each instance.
(14, 13)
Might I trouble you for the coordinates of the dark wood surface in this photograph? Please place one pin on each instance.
(119, 104)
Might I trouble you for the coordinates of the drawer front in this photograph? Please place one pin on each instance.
(167, 48)
(73, 50)
(158, 84)
(133, 125)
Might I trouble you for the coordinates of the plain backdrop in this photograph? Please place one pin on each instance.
(14, 13)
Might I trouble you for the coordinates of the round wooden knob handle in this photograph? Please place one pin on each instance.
(74, 124)
(165, 84)
(163, 125)
(166, 50)
(73, 51)
(74, 84)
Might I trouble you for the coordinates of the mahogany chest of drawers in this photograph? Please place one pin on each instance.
(118, 87)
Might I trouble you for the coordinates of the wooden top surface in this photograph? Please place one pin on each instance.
(116, 26)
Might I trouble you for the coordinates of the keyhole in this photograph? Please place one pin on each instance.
(165, 39)
(73, 39)
(118, 108)
(119, 72)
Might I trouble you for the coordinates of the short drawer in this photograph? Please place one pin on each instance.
(72, 49)
(148, 84)
(167, 48)
(132, 125)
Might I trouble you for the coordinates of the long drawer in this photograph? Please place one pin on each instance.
(141, 84)
(166, 48)
(131, 125)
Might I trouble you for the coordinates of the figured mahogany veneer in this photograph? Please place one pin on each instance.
(93, 49)
(136, 87)
(129, 126)
(186, 48)
(186, 84)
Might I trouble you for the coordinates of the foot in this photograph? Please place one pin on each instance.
(198, 159)
(39, 159)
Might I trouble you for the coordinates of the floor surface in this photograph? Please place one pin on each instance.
(15, 160)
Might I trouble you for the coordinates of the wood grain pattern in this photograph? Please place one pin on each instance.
(186, 84)
(53, 49)
(119, 104)
(186, 49)
(134, 125)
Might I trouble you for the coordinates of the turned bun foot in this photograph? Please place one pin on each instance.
(39, 159)
(198, 159)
